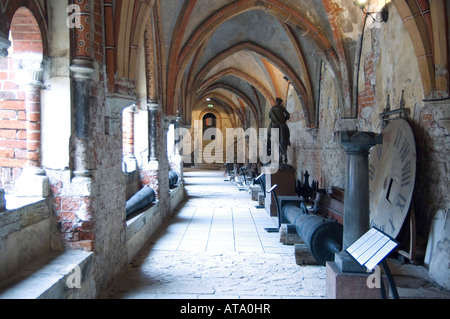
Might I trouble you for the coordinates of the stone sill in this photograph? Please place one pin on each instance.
(22, 213)
(48, 277)
(136, 223)
(14, 202)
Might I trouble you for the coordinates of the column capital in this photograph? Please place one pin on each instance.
(29, 71)
(153, 106)
(359, 142)
(5, 44)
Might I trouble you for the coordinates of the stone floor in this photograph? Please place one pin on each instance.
(216, 247)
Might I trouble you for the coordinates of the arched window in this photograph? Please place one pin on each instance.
(20, 113)
(209, 122)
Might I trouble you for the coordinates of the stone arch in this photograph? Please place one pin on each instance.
(256, 113)
(209, 121)
(219, 118)
(21, 100)
(412, 16)
(276, 61)
(39, 13)
(230, 107)
(244, 76)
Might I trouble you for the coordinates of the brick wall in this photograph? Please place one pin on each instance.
(25, 33)
(13, 135)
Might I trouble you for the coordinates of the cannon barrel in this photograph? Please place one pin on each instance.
(173, 179)
(142, 199)
(322, 236)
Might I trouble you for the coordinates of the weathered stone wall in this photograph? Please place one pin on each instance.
(388, 76)
(315, 150)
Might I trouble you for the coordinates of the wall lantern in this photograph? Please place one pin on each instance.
(381, 16)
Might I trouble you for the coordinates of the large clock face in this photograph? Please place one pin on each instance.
(392, 175)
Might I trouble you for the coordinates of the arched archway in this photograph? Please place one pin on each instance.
(21, 83)
(209, 122)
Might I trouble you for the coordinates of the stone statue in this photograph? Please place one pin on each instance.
(278, 117)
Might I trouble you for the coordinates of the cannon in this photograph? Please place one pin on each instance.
(323, 236)
(142, 199)
(173, 179)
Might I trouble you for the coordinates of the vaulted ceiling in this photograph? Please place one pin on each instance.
(242, 54)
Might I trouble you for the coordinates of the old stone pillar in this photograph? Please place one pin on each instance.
(149, 173)
(33, 181)
(82, 71)
(356, 209)
(128, 139)
(153, 109)
(30, 77)
(5, 44)
(346, 278)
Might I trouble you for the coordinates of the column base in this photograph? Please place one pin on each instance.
(346, 285)
(347, 264)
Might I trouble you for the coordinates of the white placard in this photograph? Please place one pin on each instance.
(372, 248)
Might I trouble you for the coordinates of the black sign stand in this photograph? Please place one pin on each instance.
(261, 179)
(371, 250)
(275, 230)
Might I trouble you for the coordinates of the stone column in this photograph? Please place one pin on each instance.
(153, 109)
(30, 76)
(346, 278)
(149, 172)
(177, 136)
(5, 44)
(356, 204)
(33, 181)
(128, 139)
(82, 71)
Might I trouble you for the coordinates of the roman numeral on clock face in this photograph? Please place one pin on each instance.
(406, 174)
(401, 202)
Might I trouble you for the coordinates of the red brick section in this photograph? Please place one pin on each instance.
(110, 43)
(13, 134)
(25, 33)
(128, 133)
(367, 94)
(33, 125)
(82, 46)
(76, 232)
(98, 32)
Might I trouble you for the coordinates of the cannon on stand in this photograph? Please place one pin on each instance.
(146, 196)
(173, 179)
(323, 236)
(141, 200)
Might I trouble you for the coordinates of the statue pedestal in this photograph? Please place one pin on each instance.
(285, 179)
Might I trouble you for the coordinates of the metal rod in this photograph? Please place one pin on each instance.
(270, 191)
(390, 280)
